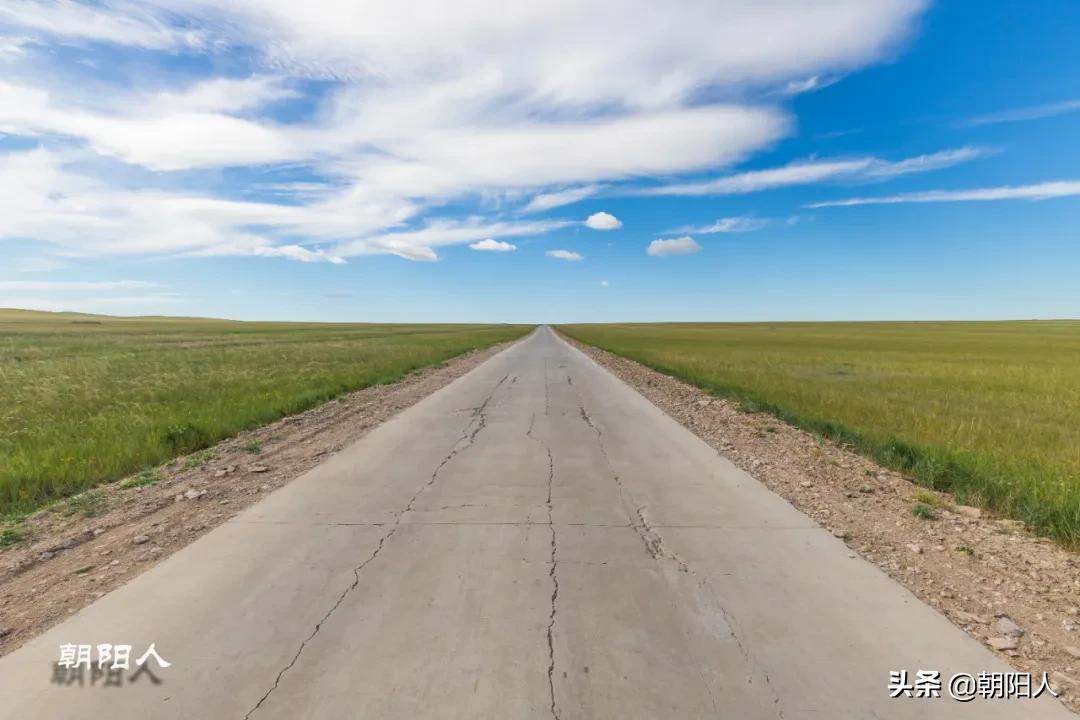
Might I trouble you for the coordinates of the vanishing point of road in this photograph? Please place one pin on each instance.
(535, 540)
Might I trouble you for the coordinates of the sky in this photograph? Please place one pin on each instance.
(544, 161)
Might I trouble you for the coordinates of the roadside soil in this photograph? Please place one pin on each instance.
(69, 560)
(1016, 593)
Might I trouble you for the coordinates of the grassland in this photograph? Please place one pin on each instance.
(88, 399)
(987, 410)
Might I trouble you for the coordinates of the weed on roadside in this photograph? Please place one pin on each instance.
(925, 497)
(143, 479)
(87, 504)
(924, 511)
(11, 536)
(197, 460)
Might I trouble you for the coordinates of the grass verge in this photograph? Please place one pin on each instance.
(90, 399)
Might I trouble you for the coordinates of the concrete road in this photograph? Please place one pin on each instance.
(535, 540)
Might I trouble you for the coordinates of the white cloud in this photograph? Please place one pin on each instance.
(675, 246)
(297, 252)
(72, 285)
(491, 104)
(810, 84)
(564, 255)
(42, 199)
(1036, 112)
(603, 221)
(130, 25)
(13, 47)
(925, 163)
(812, 171)
(798, 173)
(420, 244)
(492, 245)
(1038, 191)
(222, 95)
(727, 225)
(94, 302)
(604, 283)
(569, 196)
(548, 47)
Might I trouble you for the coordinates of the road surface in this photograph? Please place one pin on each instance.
(535, 540)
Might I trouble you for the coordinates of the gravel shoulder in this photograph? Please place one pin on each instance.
(79, 550)
(1016, 593)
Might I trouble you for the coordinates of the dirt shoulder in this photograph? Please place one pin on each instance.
(78, 551)
(1013, 592)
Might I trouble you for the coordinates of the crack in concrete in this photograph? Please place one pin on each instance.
(654, 546)
(547, 390)
(748, 657)
(553, 564)
(466, 441)
(653, 540)
(554, 592)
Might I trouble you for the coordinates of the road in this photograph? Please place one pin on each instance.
(535, 540)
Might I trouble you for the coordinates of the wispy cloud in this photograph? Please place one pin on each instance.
(422, 243)
(675, 246)
(1038, 191)
(558, 198)
(813, 171)
(1034, 112)
(726, 225)
(13, 47)
(798, 173)
(74, 285)
(926, 163)
(564, 255)
(93, 302)
(810, 84)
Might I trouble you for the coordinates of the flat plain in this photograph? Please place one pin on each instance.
(987, 410)
(88, 399)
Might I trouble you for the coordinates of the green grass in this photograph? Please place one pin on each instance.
(89, 399)
(987, 410)
(145, 478)
(924, 511)
(11, 536)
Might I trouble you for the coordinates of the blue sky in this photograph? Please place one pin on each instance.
(396, 161)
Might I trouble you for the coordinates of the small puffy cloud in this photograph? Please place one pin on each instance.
(564, 255)
(675, 246)
(492, 245)
(603, 221)
(604, 283)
